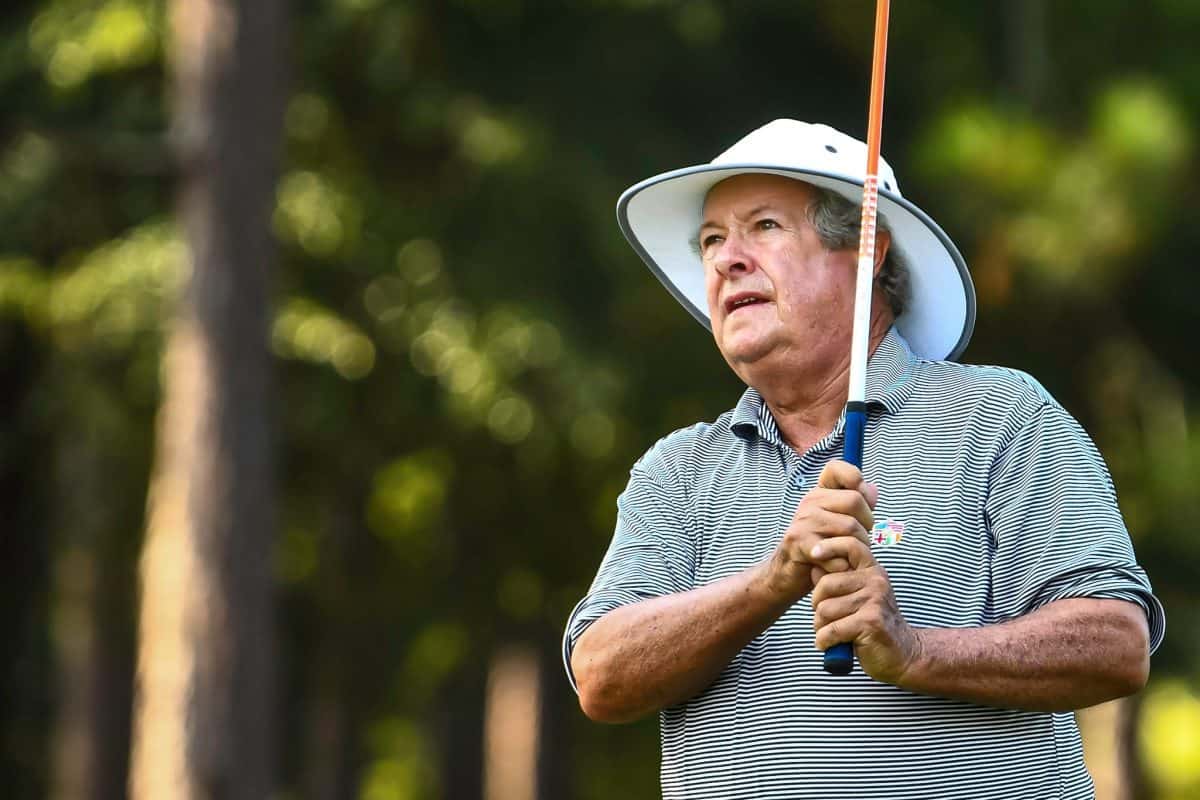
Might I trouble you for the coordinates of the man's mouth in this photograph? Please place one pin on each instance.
(743, 300)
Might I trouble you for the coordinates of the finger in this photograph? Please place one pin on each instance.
(871, 492)
(850, 502)
(832, 565)
(845, 629)
(837, 584)
(832, 609)
(815, 525)
(839, 474)
(832, 524)
(850, 548)
(817, 573)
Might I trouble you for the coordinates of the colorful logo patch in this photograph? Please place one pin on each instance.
(887, 533)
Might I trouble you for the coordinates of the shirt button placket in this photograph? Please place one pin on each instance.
(794, 490)
(796, 477)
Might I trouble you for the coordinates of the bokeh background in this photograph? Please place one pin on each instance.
(465, 358)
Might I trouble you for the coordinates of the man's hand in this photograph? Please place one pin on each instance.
(838, 508)
(858, 606)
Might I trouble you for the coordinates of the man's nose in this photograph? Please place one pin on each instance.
(733, 257)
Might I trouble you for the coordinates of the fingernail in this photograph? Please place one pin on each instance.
(818, 552)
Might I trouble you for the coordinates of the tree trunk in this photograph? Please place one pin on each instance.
(1028, 53)
(95, 548)
(459, 723)
(25, 560)
(1128, 755)
(1110, 748)
(343, 676)
(558, 704)
(205, 680)
(512, 724)
(91, 737)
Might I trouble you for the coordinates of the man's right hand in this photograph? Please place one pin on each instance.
(840, 505)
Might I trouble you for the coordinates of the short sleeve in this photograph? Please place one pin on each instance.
(651, 553)
(1057, 531)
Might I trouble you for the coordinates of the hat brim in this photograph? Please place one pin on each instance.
(661, 216)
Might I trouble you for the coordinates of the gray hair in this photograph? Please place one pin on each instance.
(837, 222)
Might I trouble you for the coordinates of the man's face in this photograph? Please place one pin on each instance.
(777, 298)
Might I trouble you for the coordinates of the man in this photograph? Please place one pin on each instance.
(980, 568)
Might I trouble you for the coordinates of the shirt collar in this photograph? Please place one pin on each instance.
(890, 373)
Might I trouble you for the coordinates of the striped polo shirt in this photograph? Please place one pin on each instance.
(1004, 505)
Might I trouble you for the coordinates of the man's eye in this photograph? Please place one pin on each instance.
(767, 224)
(710, 240)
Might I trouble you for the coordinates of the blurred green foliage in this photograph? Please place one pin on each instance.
(1170, 740)
(471, 358)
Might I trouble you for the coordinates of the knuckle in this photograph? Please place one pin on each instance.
(796, 539)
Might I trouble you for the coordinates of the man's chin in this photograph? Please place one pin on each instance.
(745, 354)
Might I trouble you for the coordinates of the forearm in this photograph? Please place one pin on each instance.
(1067, 655)
(646, 656)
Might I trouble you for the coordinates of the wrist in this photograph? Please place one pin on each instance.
(913, 676)
(783, 584)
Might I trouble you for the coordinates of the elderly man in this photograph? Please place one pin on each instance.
(979, 563)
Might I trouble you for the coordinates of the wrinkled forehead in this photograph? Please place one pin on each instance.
(741, 193)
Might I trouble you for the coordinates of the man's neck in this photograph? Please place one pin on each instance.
(805, 411)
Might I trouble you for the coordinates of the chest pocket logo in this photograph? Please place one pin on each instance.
(887, 533)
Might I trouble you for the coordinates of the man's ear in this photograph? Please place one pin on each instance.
(883, 241)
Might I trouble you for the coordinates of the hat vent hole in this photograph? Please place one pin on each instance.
(831, 148)
(887, 186)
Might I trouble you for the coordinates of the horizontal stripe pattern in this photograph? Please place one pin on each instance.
(1007, 506)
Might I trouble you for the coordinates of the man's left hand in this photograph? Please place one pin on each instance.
(857, 605)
